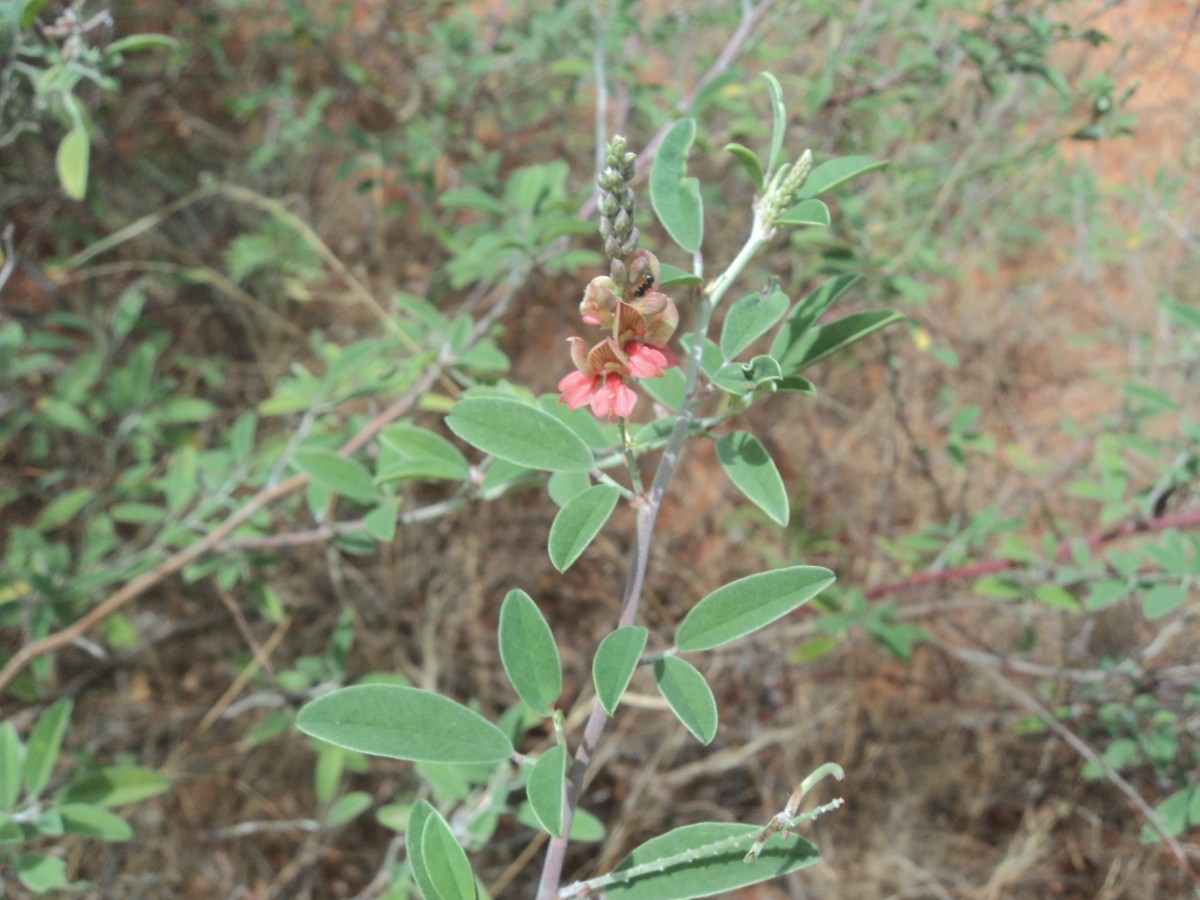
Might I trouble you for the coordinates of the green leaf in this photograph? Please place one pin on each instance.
(182, 410)
(806, 212)
(804, 316)
(62, 509)
(688, 695)
(94, 821)
(519, 433)
(579, 522)
(336, 473)
(746, 605)
(749, 466)
(1057, 597)
(670, 276)
(410, 442)
(446, 863)
(749, 160)
(403, 723)
(1159, 600)
(115, 786)
(41, 750)
(1173, 811)
(749, 318)
(668, 388)
(418, 818)
(380, 522)
(142, 42)
(674, 196)
(12, 755)
(41, 873)
(742, 378)
(562, 486)
(72, 162)
(836, 172)
(703, 875)
(778, 120)
(825, 340)
(331, 762)
(585, 827)
(528, 653)
(616, 659)
(546, 787)
(348, 807)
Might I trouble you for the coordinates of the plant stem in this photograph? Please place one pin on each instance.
(647, 516)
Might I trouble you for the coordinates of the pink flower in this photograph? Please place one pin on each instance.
(607, 395)
(649, 362)
(640, 321)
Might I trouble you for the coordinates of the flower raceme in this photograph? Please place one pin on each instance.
(640, 322)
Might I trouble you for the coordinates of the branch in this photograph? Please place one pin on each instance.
(1061, 554)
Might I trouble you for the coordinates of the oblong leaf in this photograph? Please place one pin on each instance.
(94, 821)
(519, 433)
(346, 807)
(71, 161)
(829, 339)
(413, 443)
(115, 786)
(336, 473)
(749, 318)
(787, 346)
(750, 467)
(579, 522)
(420, 814)
(615, 661)
(674, 196)
(41, 750)
(546, 787)
(705, 874)
(12, 755)
(746, 605)
(749, 160)
(585, 827)
(446, 862)
(836, 172)
(806, 212)
(778, 119)
(403, 723)
(688, 695)
(528, 653)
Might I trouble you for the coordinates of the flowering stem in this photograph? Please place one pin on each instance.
(647, 515)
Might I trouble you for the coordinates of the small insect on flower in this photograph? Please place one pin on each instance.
(644, 287)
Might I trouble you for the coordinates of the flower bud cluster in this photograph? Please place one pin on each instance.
(784, 189)
(616, 201)
(639, 320)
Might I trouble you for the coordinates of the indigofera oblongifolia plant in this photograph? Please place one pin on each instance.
(634, 317)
